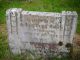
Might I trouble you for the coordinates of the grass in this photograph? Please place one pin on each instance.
(35, 5)
(42, 5)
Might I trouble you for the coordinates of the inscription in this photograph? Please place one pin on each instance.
(39, 31)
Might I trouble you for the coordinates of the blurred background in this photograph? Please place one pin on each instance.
(36, 5)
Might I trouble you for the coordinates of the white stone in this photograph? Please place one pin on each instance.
(29, 29)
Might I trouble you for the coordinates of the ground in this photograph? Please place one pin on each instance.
(35, 5)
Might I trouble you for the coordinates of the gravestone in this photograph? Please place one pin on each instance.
(40, 32)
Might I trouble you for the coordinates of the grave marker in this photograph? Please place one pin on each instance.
(40, 31)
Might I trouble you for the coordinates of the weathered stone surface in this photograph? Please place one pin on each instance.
(39, 31)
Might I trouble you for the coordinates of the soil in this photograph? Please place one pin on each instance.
(77, 39)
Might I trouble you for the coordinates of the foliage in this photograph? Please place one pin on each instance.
(35, 5)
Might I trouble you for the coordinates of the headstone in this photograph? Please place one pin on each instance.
(29, 0)
(41, 32)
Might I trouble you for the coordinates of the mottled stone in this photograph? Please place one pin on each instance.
(38, 31)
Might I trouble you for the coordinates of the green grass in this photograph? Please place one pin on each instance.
(36, 5)
(41, 5)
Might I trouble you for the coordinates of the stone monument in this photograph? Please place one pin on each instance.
(40, 32)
